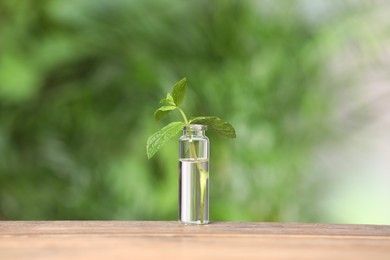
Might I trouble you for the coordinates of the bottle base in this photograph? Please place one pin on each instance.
(196, 222)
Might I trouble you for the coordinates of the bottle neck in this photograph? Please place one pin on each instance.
(195, 130)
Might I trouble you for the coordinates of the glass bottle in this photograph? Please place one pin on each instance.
(194, 175)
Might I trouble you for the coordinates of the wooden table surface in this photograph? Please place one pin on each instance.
(171, 240)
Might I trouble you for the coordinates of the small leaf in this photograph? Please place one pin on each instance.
(163, 112)
(158, 139)
(179, 91)
(168, 100)
(222, 128)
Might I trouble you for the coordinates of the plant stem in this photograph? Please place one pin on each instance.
(184, 116)
(203, 174)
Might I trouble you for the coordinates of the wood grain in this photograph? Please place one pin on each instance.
(171, 240)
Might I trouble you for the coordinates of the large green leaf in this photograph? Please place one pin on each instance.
(163, 112)
(222, 128)
(158, 139)
(179, 91)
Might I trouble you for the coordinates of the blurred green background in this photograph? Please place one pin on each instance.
(80, 80)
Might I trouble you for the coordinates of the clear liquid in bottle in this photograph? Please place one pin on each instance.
(193, 205)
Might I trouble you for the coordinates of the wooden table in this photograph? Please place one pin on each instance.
(171, 240)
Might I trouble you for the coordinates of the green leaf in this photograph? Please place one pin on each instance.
(168, 100)
(179, 91)
(158, 139)
(222, 128)
(163, 112)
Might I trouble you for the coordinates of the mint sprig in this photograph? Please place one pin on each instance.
(171, 103)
